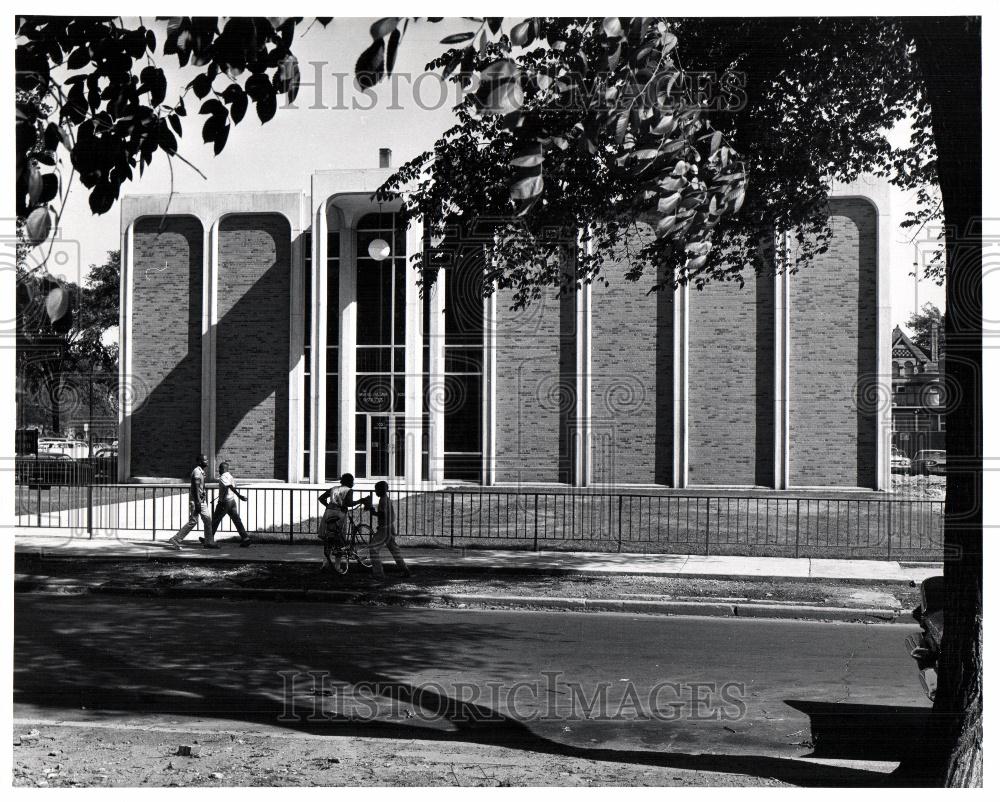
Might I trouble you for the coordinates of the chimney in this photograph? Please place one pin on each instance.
(384, 158)
(934, 342)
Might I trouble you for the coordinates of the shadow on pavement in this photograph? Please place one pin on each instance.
(218, 660)
(864, 732)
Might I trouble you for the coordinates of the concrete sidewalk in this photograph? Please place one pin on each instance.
(72, 544)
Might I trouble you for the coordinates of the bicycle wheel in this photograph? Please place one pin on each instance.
(361, 539)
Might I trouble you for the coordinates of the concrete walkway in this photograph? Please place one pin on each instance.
(70, 543)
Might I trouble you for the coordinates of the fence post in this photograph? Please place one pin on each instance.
(535, 542)
(708, 526)
(90, 511)
(38, 506)
(619, 523)
(291, 518)
(888, 539)
(451, 524)
(154, 514)
(798, 501)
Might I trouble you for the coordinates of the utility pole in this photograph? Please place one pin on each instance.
(90, 416)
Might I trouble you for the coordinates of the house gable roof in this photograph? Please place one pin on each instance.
(903, 347)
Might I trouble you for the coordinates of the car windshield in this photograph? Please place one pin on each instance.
(932, 454)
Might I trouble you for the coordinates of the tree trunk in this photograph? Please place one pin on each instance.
(949, 56)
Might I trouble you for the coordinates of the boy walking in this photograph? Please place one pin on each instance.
(385, 535)
(198, 507)
(226, 505)
(331, 527)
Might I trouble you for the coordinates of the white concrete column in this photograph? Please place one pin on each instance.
(414, 361)
(782, 355)
(209, 324)
(681, 328)
(317, 446)
(296, 338)
(489, 426)
(435, 401)
(883, 354)
(347, 372)
(582, 435)
(125, 394)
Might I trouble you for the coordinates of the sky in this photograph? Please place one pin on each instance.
(334, 126)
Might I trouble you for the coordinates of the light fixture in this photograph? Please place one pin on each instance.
(378, 249)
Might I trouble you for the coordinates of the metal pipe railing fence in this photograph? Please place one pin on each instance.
(772, 524)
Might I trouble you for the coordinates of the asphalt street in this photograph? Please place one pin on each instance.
(715, 694)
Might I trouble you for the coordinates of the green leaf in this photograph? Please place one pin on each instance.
(79, 58)
(213, 106)
(390, 52)
(457, 38)
(383, 27)
(266, 107)
(238, 109)
(665, 225)
(37, 225)
(612, 27)
(201, 85)
(50, 187)
(498, 70)
(57, 303)
(527, 187)
(668, 204)
(34, 185)
(523, 33)
(530, 156)
(505, 99)
(222, 136)
(370, 66)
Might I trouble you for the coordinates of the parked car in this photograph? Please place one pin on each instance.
(75, 449)
(929, 461)
(48, 469)
(925, 648)
(899, 461)
(105, 463)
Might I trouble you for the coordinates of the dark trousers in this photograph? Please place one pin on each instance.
(390, 543)
(228, 507)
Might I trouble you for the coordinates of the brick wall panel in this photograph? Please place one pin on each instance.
(730, 382)
(533, 393)
(252, 345)
(166, 346)
(833, 341)
(631, 380)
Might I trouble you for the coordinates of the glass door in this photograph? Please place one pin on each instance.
(379, 446)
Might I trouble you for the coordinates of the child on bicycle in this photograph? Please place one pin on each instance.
(385, 535)
(331, 528)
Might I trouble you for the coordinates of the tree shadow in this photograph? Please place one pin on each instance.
(218, 660)
(864, 732)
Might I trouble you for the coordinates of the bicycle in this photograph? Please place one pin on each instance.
(354, 542)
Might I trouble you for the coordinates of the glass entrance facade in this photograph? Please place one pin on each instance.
(380, 447)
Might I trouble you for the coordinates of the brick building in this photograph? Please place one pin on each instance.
(283, 331)
(917, 395)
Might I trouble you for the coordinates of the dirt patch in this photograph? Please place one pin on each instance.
(66, 756)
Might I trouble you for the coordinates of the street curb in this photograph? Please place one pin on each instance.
(708, 608)
(198, 556)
